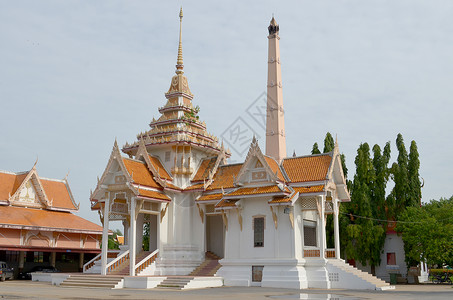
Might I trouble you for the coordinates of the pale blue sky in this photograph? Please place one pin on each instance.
(76, 74)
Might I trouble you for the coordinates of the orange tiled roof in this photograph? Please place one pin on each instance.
(159, 167)
(224, 176)
(283, 199)
(257, 190)
(209, 197)
(140, 173)
(153, 194)
(307, 168)
(205, 166)
(195, 186)
(56, 190)
(9, 183)
(56, 220)
(309, 189)
(274, 167)
(172, 186)
(226, 203)
(57, 193)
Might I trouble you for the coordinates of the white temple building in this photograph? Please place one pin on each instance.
(257, 223)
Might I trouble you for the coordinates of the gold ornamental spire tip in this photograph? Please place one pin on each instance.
(179, 61)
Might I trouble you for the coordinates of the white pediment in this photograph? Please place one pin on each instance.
(28, 194)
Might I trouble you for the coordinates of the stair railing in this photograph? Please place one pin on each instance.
(117, 261)
(147, 261)
(313, 252)
(330, 253)
(91, 262)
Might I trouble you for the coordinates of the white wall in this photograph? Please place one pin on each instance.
(393, 243)
(278, 243)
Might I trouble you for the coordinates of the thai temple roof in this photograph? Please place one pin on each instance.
(179, 121)
(30, 201)
(280, 178)
(56, 191)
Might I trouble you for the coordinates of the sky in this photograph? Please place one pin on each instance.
(75, 75)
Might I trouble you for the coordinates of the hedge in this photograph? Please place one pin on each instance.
(440, 271)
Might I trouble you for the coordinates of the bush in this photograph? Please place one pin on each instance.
(441, 271)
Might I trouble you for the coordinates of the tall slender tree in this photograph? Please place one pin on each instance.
(400, 192)
(329, 143)
(315, 149)
(380, 165)
(415, 193)
(365, 238)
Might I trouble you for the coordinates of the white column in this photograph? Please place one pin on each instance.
(126, 232)
(323, 228)
(132, 239)
(336, 228)
(105, 237)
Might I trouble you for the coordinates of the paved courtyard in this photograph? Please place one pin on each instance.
(42, 290)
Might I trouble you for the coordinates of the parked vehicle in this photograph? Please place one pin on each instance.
(5, 272)
(43, 269)
(442, 278)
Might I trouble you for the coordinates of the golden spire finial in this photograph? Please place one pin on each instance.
(179, 62)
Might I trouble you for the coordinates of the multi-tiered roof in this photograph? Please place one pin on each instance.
(179, 121)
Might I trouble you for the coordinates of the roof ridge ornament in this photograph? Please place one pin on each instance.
(273, 27)
(179, 61)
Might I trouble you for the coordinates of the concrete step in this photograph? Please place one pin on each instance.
(91, 281)
(87, 284)
(378, 283)
(175, 282)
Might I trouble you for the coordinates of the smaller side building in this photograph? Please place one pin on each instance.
(393, 260)
(38, 225)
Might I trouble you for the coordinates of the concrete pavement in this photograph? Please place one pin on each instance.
(42, 290)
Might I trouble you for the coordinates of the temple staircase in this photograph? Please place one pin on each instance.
(209, 267)
(123, 268)
(175, 282)
(93, 281)
(343, 275)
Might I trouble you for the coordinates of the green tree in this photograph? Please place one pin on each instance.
(343, 165)
(364, 237)
(145, 243)
(380, 165)
(415, 192)
(329, 143)
(427, 233)
(400, 193)
(315, 149)
(113, 239)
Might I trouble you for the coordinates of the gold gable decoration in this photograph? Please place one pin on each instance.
(179, 84)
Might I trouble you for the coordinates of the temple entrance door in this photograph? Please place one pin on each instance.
(153, 231)
(215, 235)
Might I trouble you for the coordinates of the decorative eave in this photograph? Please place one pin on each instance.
(291, 199)
(38, 187)
(255, 151)
(168, 108)
(336, 159)
(260, 191)
(71, 196)
(114, 156)
(53, 229)
(143, 153)
(221, 159)
(130, 149)
(169, 121)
